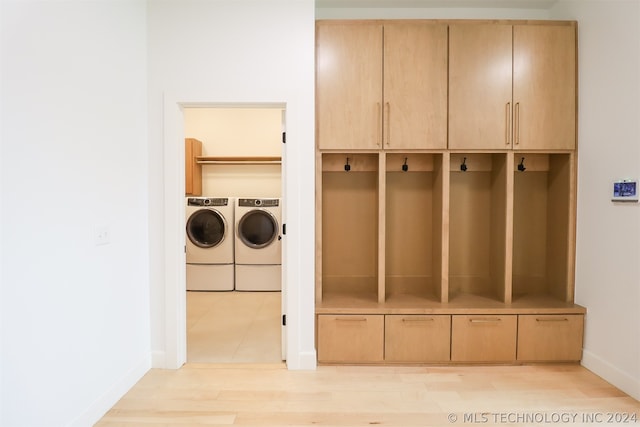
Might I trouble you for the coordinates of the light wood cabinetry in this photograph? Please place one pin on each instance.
(349, 86)
(488, 338)
(547, 338)
(512, 86)
(352, 338)
(192, 169)
(436, 254)
(415, 86)
(381, 85)
(417, 339)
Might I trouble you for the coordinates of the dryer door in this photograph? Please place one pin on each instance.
(206, 228)
(257, 228)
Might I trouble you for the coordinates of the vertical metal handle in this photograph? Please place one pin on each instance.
(379, 121)
(387, 122)
(507, 132)
(517, 124)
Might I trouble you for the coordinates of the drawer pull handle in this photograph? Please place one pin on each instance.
(356, 319)
(492, 320)
(553, 319)
(426, 319)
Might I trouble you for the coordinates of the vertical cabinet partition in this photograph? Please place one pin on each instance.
(446, 192)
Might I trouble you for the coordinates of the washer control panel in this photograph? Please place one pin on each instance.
(265, 203)
(207, 201)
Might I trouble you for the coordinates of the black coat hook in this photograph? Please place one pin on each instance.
(405, 167)
(521, 167)
(463, 166)
(347, 166)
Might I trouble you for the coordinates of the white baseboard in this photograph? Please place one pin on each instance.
(158, 359)
(306, 361)
(611, 374)
(105, 402)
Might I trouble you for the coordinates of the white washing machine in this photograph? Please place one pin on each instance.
(210, 242)
(258, 246)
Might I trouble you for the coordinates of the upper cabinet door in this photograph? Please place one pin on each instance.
(415, 86)
(349, 86)
(512, 87)
(480, 101)
(544, 87)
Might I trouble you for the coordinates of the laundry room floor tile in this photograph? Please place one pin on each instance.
(233, 327)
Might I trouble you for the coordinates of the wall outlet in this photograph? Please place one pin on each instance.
(102, 235)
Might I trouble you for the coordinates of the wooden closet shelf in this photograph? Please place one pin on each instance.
(264, 160)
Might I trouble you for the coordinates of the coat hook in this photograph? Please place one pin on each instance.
(463, 166)
(405, 167)
(521, 167)
(347, 166)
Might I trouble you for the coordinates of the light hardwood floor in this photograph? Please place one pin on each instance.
(271, 395)
(234, 327)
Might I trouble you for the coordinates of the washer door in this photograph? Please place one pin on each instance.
(257, 228)
(206, 228)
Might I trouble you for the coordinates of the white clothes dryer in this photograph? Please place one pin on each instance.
(258, 246)
(210, 244)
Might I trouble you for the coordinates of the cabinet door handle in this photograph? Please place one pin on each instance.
(424, 319)
(507, 132)
(552, 319)
(379, 121)
(386, 123)
(488, 320)
(517, 123)
(354, 319)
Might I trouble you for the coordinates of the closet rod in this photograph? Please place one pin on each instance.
(208, 160)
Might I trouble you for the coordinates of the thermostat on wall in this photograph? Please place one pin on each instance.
(625, 191)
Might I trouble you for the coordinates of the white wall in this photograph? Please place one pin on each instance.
(430, 13)
(238, 132)
(208, 53)
(75, 316)
(608, 234)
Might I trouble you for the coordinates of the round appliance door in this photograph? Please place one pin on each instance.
(206, 228)
(257, 228)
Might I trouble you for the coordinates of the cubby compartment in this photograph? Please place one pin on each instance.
(349, 229)
(413, 227)
(478, 217)
(543, 227)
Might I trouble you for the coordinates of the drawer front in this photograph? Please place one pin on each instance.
(350, 338)
(483, 338)
(550, 337)
(417, 338)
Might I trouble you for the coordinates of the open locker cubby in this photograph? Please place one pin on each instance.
(413, 228)
(543, 227)
(349, 228)
(478, 215)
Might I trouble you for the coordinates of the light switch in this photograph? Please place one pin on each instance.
(102, 235)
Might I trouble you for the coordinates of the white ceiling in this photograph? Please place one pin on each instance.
(508, 4)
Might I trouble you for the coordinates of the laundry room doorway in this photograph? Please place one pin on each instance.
(234, 181)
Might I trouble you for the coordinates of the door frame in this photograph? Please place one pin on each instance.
(174, 268)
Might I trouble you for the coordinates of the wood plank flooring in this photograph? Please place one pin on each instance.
(271, 395)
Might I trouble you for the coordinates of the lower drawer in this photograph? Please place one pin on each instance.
(415, 338)
(550, 337)
(350, 338)
(483, 338)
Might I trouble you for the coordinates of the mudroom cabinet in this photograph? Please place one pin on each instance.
(512, 85)
(381, 85)
(445, 250)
